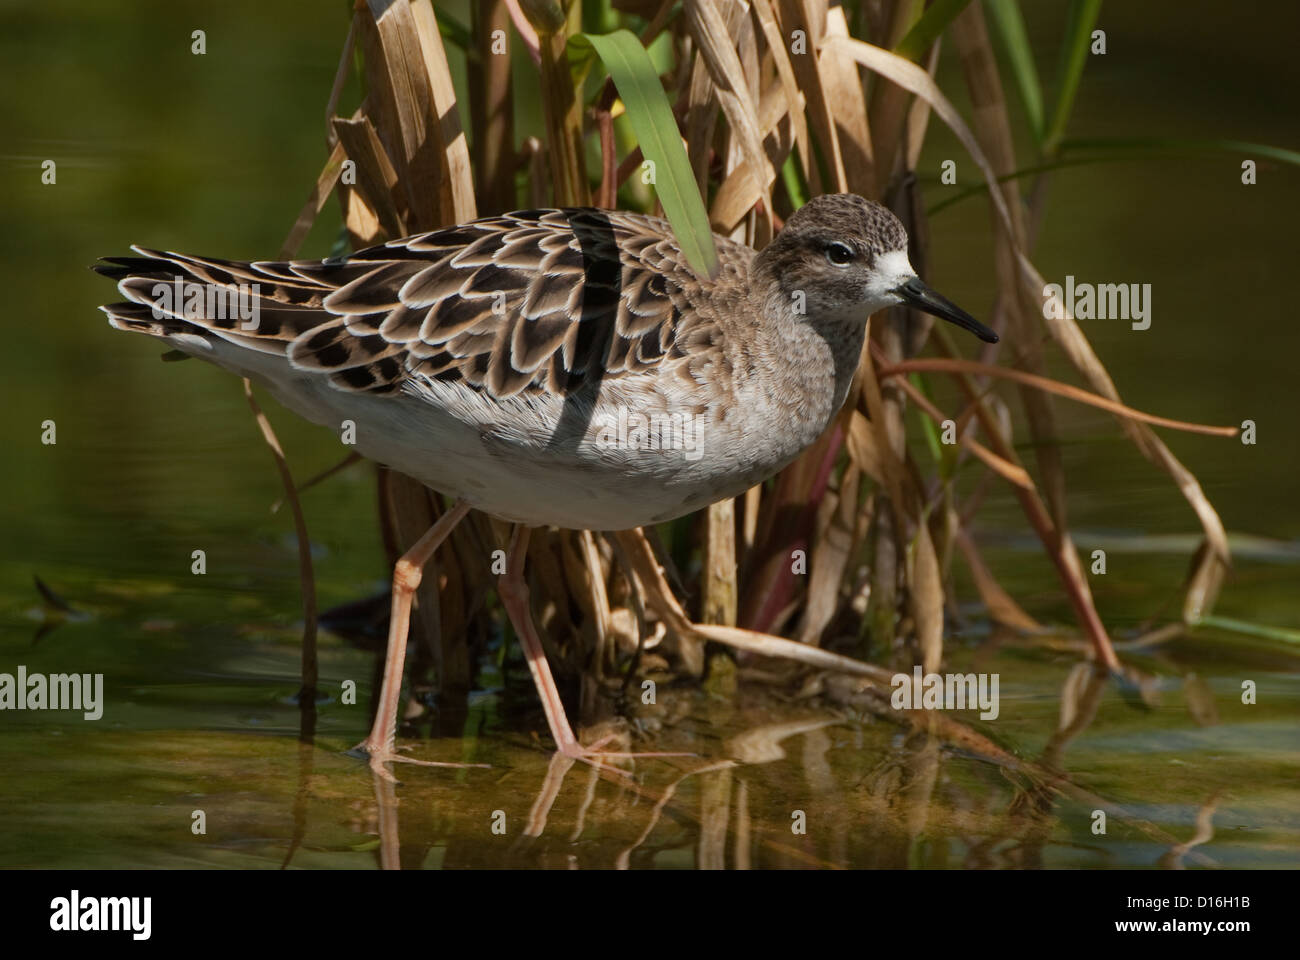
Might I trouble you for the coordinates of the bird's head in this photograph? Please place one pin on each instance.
(841, 256)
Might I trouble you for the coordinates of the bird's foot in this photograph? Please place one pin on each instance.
(382, 755)
(598, 757)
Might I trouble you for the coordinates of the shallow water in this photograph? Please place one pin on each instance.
(156, 460)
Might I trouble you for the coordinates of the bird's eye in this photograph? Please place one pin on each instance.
(839, 254)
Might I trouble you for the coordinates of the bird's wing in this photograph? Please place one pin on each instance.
(529, 302)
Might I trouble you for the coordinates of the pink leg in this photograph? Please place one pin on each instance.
(514, 596)
(407, 574)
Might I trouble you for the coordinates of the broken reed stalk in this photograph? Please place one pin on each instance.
(946, 365)
(306, 575)
(320, 194)
(659, 597)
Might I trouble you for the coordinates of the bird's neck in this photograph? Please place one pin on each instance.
(808, 362)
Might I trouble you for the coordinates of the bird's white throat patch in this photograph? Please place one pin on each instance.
(890, 271)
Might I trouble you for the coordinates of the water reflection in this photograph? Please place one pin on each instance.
(844, 781)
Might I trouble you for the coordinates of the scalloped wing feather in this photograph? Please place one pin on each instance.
(526, 303)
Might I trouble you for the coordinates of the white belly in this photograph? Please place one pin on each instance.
(504, 457)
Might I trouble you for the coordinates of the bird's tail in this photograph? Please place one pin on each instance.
(204, 305)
